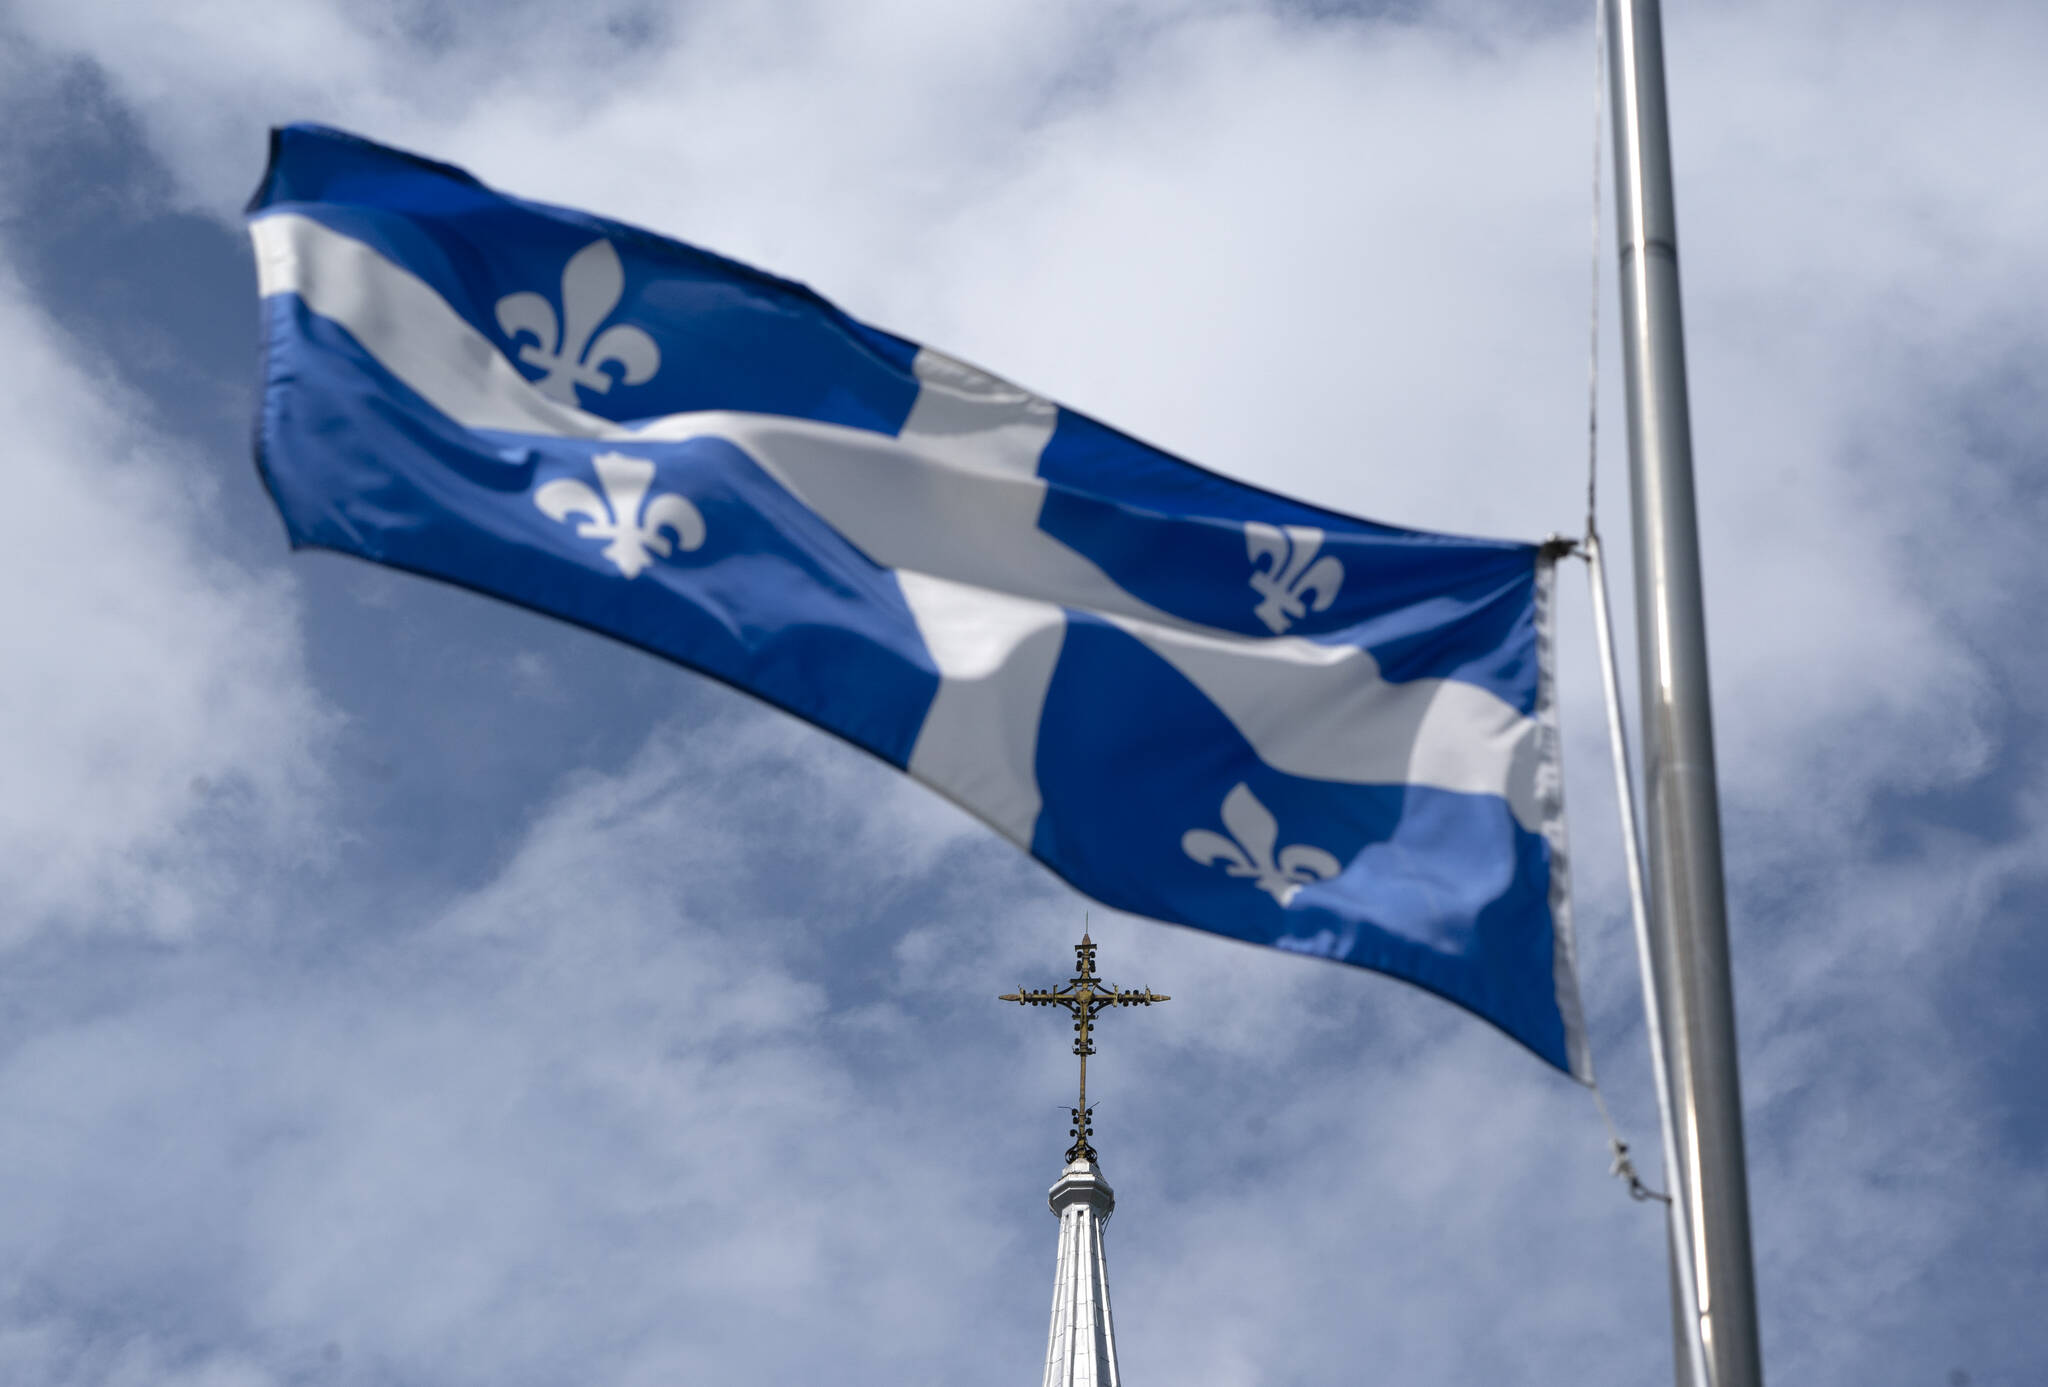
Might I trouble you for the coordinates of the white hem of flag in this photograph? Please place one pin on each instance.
(1550, 805)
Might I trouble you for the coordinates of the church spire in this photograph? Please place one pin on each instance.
(1080, 1348)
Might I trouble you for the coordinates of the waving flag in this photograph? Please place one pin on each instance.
(1192, 699)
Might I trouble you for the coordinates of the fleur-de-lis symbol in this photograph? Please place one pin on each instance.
(617, 515)
(592, 282)
(1255, 832)
(1292, 579)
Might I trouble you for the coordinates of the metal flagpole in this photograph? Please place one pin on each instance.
(1684, 843)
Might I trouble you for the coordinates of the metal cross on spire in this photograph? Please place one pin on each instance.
(1084, 994)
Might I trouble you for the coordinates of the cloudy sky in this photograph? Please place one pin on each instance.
(398, 988)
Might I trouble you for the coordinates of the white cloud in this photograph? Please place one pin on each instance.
(599, 1117)
(160, 738)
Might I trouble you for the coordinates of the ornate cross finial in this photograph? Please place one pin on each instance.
(1084, 994)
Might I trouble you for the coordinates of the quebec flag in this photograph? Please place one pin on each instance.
(1192, 699)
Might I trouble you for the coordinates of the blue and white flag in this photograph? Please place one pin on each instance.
(1192, 699)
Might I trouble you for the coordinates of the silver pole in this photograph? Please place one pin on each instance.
(1684, 843)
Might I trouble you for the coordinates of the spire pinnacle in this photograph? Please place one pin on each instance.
(1080, 1349)
(1083, 995)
